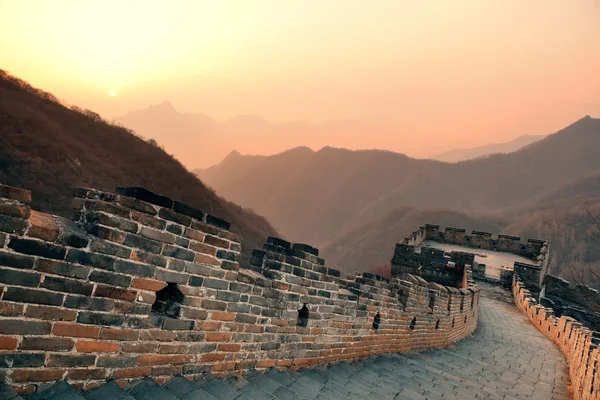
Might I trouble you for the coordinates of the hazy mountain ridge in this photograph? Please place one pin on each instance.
(347, 202)
(50, 149)
(457, 155)
(310, 195)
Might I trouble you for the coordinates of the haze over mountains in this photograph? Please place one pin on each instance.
(197, 140)
(457, 155)
(333, 197)
(50, 149)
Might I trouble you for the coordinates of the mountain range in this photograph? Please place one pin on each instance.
(197, 140)
(356, 204)
(457, 155)
(50, 149)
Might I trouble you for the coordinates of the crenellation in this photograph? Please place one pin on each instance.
(574, 340)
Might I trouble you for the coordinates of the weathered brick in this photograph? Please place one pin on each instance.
(13, 193)
(196, 281)
(67, 285)
(8, 343)
(177, 265)
(177, 324)
(163, 359)
(109, 208)
(148, 220)
(62, 268)
(124, 224)
(222, 316)
(132, 268)
(11, 309)
(19, 327)
(149, 258)
(143, 243)
(50, 313)
(33, 296)
(93, 346)
(173, 216)
(110, 278)
(246, 318)
(230, 265)
(111, 249)
(124, 373)
(82, 374)
(182, 242)
(136, 204)
(12, 225)
(218, 336)
(169, 276)
(119, 334)
(216, 283)
(115, 293)
(148, 284)
(75, 330)
(198, 269)
(20, 360)
(238, 307)
(89, 303)
(203, 248)
(20, 278)
(37, 248)
(212, 357)
(240, 287)
(106, 233)
(37, 375)
(91, 259)
(227, 255)
(43, 226)
(214, 305)
(154, 234)
(194, 235)
(68, 360)
(139, 347)
(193, 313)
(116, 361)
(46, 344)
(16, 260)
(92, 318)
(216, 241)
(175, 229)
(218, 222)
(178, 252)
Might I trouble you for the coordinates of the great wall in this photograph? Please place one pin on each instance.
(140, 288)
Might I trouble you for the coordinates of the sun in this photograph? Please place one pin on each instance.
(113, 93)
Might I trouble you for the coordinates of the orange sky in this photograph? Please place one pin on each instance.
(457, 72)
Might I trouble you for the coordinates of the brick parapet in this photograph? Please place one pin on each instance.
(405, 257)
(77, 297)
(577, 343)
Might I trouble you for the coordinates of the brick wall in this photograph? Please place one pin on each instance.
(578, 344)
(141, 285)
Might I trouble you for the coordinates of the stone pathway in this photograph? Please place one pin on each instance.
(506, 358)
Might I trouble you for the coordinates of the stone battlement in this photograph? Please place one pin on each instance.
(578, 344)
(410, 254)
(140, 285)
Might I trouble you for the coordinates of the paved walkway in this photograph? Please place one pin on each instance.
(506, 358)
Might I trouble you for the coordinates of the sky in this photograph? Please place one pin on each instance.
(455, 73)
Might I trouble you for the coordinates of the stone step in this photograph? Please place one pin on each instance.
(220, 390)
(60, 391)
(107, 391)
(8, 393)
(149, 390)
